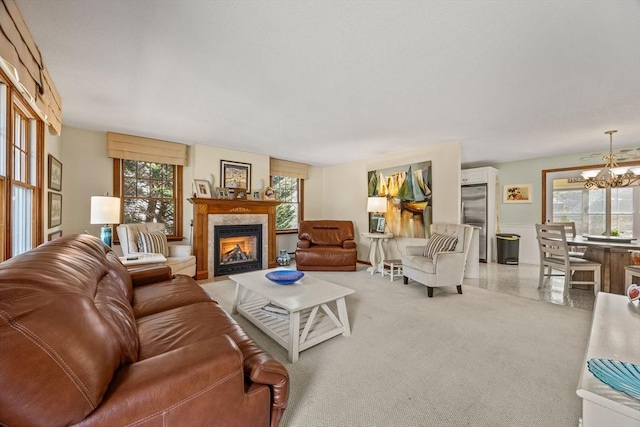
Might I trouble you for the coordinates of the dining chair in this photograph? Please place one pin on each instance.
(554, 255)
(570, 229)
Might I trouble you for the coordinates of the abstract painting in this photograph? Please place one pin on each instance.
(408, 190)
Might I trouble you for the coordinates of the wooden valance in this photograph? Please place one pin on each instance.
(22, 60)
(129, 147)
(291, 169)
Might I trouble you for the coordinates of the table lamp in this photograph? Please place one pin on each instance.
(105, 210)
(377, 205)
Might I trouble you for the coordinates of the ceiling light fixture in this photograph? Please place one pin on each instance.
(611, 175)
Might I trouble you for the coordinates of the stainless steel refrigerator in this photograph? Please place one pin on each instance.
(474, 212)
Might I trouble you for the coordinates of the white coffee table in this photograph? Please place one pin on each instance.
(310, 320)
(140, 260)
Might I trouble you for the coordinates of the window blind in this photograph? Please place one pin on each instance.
(22, 59)
(129, 147)
(290, 169)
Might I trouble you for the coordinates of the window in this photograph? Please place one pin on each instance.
(21, 167)
(589, 210)
(150, 192)
(289, 192)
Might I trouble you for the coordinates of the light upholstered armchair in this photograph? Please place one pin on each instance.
(441, 262)
(179, 257)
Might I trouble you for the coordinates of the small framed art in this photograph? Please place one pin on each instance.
(55, 174)
(380, 226)
(55, 235)
(516, 193)
(202, 189)
(255, 195)
(55, 209)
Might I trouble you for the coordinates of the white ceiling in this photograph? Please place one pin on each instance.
(326, 82)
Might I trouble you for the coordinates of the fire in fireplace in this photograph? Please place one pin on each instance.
(238, 249)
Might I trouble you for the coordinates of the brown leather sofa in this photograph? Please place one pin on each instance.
(326, 245)
(85, 342)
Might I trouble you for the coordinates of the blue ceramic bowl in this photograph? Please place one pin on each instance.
(285, 277)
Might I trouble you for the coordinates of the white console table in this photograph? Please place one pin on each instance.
(615, 335)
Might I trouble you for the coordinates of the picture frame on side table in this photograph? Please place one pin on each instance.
(203, 190)
(55, 174)
(235, 174)
(516, 193)
(55, 209)
(380, 226)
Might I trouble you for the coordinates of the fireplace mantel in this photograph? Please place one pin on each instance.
(202, 208)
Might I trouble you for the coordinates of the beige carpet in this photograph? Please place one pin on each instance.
(478, 359)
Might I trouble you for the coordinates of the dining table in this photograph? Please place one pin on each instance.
(612, 253)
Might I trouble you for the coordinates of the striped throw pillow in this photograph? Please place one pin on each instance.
(154, 242)
(439, 243)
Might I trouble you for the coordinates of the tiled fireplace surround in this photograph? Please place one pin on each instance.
(209, 213)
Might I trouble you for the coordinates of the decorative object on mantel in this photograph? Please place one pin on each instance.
(223, 193)
(283, 258)
(239, 193)
(269, 193)
(612, 175)
(284, 277)
(235, 174)
(516, 193)
(202, 188)
(633, 292)
(621, 376)
(256, 195)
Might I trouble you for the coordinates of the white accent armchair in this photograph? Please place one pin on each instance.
(445, 268)
(180, 259)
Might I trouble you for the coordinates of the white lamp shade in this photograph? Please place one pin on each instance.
(377, 204)
(105, 210)
(590, 173)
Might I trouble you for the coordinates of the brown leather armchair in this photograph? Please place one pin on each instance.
(326, 245)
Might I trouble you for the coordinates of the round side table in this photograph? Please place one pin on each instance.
(376, 246)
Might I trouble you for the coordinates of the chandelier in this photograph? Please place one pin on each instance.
(611, 175)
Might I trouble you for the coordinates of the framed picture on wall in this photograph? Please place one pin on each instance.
(235, 174)
(55, 235)
(55, 174)
(516, 193)
(55, 209)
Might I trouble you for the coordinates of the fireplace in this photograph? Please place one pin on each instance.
(209, 214)
(237, 249)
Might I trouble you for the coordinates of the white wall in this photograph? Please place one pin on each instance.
(343, 192)
(86, 171)
(520, 218)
